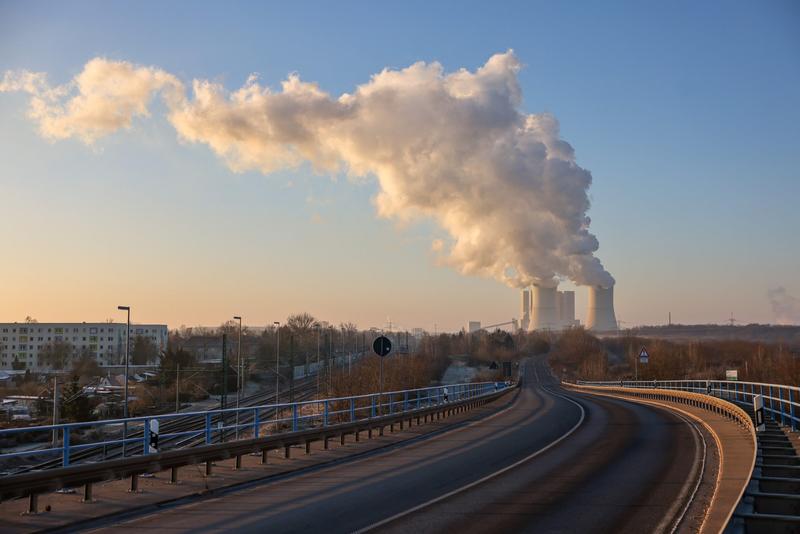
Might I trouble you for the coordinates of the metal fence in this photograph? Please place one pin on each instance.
(780, 401)
(93, 441)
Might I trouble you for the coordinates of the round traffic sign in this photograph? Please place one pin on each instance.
(382, 346)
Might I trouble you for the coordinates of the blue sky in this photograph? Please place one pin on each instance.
(686, 114)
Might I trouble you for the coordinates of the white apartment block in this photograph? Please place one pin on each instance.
(24, 342)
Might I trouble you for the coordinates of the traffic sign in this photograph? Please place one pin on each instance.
(643, 356)
(382, 346)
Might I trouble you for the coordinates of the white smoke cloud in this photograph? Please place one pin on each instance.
(785, 307)
(102, 99)
(455, 148)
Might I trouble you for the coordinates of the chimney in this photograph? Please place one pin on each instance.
(525, 320)
(601, 309)
(544, 308)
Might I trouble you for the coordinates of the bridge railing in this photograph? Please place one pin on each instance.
(782, 402)
(134, 436)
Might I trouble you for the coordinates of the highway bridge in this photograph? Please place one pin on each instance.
(541, 457)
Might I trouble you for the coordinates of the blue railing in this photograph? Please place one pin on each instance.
(133, 436)
(780, 401)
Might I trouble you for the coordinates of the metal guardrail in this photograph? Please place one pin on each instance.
(770, 501)
(707, 402)
(32, 484)
(215, 425)
(780, 401)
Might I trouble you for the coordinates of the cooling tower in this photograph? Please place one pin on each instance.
(543, 308)
(600, 314)
(525, 321)
(565, 309)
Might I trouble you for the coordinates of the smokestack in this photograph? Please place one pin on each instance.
(544, 308)
(525, 321)
(601, 309)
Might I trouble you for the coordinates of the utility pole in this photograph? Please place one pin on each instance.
(178, 389)
(55, 410)
(224, 398)
(319, 370)
(291, 368)
(277, 368)
(125, 401)
(239, 378)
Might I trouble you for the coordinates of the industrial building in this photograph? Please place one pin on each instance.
(547, 308)
(24, 343)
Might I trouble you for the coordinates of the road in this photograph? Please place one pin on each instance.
(621, 467)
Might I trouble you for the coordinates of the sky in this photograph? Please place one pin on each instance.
(686, 114)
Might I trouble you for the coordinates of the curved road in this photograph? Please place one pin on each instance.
(626, 467)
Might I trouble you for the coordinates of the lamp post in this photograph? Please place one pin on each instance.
(318, 368)
(239, 379)
(125, 401)
(330, 354)
(277, 369)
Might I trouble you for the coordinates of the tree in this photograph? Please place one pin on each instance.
(85, 366)
(75, 405)
(57, 354)
(301, 323)
(170, 361)
(30, 320)
(144, 351)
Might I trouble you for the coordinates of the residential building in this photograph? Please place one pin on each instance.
(25, 343)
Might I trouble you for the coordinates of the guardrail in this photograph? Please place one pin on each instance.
(430, 403)
(216, 425)
(707, 402)
(780, 401)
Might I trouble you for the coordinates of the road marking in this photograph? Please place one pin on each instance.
(487, 477)
(685, 416)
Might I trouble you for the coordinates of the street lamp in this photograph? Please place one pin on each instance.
(318, 368)
(239, 380)
(125, 404)
(277, 369)
(331, 354)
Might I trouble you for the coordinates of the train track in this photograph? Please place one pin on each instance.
(303, 390)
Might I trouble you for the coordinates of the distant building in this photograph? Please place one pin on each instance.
(25, 342)
(473, 326)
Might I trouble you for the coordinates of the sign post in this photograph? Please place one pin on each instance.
(153, 444)
(644, 358)
(758, 409)
(382, 347)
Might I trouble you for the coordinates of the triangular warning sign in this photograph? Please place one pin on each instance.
(643, 353)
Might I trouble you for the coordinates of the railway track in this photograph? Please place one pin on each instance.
(191, 428)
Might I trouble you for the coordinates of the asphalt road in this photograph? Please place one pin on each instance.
(625, 467)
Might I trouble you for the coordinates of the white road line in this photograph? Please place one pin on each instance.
(687, 417)
(700, 476)
(487, 477)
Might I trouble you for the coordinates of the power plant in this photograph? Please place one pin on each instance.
(547, 308)
(525, 320)
(600, 314)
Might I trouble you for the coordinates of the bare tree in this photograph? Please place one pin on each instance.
(301, 323)
(57, 354)
(144, 351)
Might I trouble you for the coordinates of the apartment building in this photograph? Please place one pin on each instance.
(24, 342)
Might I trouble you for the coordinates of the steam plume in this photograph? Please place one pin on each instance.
(785, 307)
(452, 147)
